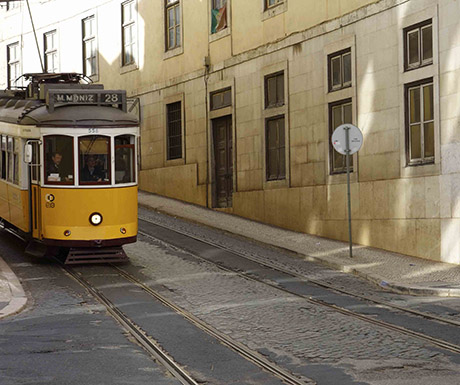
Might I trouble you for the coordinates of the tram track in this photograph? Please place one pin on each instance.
(147, 342)
(421, 336)
(153, 348)
(249, 354)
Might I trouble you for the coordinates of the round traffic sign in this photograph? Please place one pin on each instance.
(355, 139)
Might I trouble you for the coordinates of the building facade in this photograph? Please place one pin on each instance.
(239, 100)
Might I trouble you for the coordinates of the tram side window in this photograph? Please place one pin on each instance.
(35, 163)
(16, 143)
(125, 171)
(10, 155)
(4, 163)
(59, 168)
(94, 160)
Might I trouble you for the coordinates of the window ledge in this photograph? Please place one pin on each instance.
(414, 68)
(173, 52)
(174, 162)
(274, 11)
(341, 178)
(128, 68)
(274, 111)
(342, 94)
(12, 12)
(274, 184)
(219, 35)
(415, 171)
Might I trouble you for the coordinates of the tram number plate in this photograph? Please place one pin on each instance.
(93, 130)
(111, 98)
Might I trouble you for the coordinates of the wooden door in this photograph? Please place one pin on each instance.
(223, 157)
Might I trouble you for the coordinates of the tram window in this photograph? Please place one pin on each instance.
(124, 159)
(10, 159)
(93, 159)
(35, 166)
(16, 145)
(16, 169)
(59, 167)
(4, 164)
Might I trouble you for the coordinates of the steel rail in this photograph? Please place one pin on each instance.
(247, 353)
(306, 279)
(147, 342)
(434, 341)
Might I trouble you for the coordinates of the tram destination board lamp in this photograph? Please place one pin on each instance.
(346, 140)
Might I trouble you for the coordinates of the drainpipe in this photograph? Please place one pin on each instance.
(206, 63)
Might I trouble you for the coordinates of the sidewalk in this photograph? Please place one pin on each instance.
(12, 296)
(396, 272)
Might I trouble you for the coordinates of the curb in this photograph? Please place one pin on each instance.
(18, 297)
(376, 280)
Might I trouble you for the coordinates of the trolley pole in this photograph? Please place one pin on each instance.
(35, 35)
(347, 149)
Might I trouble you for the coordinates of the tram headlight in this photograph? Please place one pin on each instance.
(95, 219)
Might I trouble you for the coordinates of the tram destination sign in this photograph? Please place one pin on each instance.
(86, 97)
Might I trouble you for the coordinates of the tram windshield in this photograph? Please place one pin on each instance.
(59, 167)
(124, 159)
(93, 159)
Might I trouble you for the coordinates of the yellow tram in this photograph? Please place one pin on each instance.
(69, 167)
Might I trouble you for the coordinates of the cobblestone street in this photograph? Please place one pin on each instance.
(301, 336)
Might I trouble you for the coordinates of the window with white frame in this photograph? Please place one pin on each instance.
(420, 132)
(12, 4)
(129, 33)
(51, 54)
(173, 24)
(89, 46)
(13, 64)
(418, 45)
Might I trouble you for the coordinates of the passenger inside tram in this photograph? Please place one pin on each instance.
(92, 172)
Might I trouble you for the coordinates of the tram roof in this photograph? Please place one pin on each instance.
(63, 99)
(16, 109)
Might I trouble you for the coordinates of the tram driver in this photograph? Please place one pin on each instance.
(55, 172)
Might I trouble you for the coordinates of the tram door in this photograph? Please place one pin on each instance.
(35, 188)
(223, 155)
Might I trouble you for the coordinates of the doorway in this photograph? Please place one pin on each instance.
(223, 161)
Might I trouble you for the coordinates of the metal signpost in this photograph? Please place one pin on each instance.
(346, 140)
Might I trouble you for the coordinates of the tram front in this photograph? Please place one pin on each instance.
(84, 189)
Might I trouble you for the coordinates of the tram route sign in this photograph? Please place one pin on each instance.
(86, 97)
